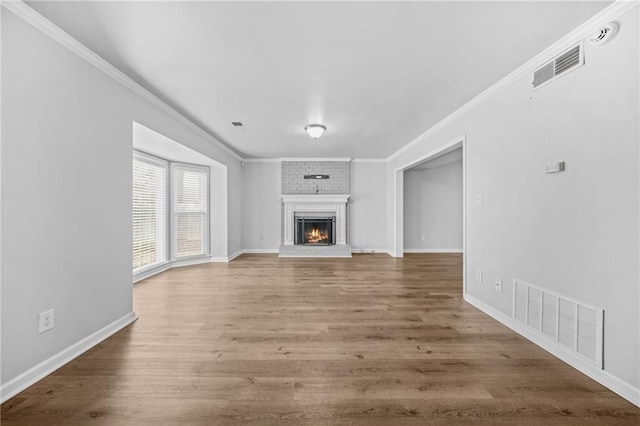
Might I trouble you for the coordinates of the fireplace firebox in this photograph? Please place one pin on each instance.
(316, 231)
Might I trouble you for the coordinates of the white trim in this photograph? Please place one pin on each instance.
(369, 160)
(610, 13)
(464, 213)
(346, 160)
(219, 259)
(1, 389)
(262, 160)
(174, 215)
(370, 251)
(189, 262)
(443, 149)
(432, 250)
(174, 264)
(151, 272)
(398, 195)
(319, 198)
(638, 366)
(279, 160)
(622, 388)
(38, 21)
(48, 366)
(234, 255)
(260, 251)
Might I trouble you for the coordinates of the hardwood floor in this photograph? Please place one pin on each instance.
(370, 340)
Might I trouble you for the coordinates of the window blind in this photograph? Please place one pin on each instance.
(149, 212)
(191, 210)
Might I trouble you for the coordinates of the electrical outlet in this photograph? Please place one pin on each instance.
(422, 238)
(498, 285)
(479, 276)
(45, 320)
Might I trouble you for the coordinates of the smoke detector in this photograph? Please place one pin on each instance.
(604, 34)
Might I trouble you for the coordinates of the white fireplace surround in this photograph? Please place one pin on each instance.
(333, 205)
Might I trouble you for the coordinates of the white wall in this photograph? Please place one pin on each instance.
(66, 194)
(575, 233)
(261, 215)
(150, 142)
(367, 208)
(433, 208)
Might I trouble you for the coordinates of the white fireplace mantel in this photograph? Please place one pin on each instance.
(329, 203)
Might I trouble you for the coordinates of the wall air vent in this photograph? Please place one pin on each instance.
(570, 59)
(564, 322)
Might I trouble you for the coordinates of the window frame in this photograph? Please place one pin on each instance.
(159, 162)
(174, 215)
(170, 214)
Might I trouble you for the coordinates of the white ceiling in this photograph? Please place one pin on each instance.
(377, 74)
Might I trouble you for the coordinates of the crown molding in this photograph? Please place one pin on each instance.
(369, 160)
(261, 160)
(279, 160)
(611, 12)
(22, 10)
(344, 160)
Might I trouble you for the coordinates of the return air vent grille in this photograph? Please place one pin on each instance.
(572, 58)
(567, 323)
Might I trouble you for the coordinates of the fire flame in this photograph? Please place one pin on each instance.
(315, 236)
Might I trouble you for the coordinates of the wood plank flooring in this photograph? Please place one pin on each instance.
(370, 340)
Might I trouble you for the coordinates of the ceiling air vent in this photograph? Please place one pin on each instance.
(572, 58)
(238, 125)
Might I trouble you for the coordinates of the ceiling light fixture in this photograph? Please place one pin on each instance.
(315, 130)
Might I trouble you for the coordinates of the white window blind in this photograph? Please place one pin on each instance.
(149, 211)
(190, 210)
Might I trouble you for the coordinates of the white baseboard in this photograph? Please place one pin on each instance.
(431, 250)
(189, 262)
(369, 250)
(622, 388)
(48, 366)
(170, 265)
(151, 272)
(234, 255)
(260, 251)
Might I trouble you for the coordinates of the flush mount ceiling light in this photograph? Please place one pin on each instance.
(315, 130)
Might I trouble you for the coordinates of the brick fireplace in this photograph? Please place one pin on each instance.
(309, 206)
(315, 197)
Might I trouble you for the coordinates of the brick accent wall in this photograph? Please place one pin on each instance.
(293, 181)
